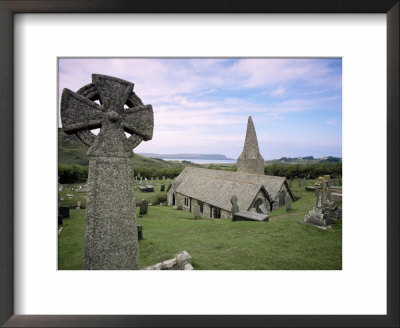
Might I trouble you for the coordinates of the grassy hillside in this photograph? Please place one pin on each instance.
(72, 151)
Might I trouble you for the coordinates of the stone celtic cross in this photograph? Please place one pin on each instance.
(111, 235)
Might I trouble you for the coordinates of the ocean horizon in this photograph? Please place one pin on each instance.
(203, 161)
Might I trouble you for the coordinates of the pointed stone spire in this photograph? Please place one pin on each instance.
(250, 160)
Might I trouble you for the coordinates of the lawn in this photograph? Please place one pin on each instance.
(220, 244)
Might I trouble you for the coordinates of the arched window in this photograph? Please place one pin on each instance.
(257, 205)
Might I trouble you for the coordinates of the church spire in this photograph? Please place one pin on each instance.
(250, 160)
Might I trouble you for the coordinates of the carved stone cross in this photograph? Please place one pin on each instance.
(111, 235)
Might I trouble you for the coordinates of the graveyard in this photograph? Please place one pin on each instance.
(105, 230)
(220, 244)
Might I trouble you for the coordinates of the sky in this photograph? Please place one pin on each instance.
(201, 105)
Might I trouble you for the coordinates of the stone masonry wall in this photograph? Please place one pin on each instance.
(264, 198)
(180, 201)
(275, 205)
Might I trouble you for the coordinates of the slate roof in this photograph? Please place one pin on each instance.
(216, 187)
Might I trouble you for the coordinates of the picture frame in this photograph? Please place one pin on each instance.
(9, 8)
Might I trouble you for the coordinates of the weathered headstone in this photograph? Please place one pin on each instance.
(235, 207)
(288, 202)
(325, 209)
(111, 232)
(78, 205)
(140, 232)
(162, 187)
(64, 211)
(197, 211)
(250, 216)
(144, 204)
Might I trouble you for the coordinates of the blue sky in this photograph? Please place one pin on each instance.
(201, 105)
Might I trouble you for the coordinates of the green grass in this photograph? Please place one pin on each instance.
(220, 244)
(70, 241)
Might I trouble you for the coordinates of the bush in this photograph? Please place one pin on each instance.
(309, 171)
(149, 172)
(161, 198)
(72, 173)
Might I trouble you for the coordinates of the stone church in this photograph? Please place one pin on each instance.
(212, 190)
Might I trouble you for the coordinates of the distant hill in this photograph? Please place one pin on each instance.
(304, 160)
(187, 156)
(72, 151)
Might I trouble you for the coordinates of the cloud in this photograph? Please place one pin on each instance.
(330, 122)
(277, 92)
(204, 103)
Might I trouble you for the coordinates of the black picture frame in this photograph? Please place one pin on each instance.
(10, 7)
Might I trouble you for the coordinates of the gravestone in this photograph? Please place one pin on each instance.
(288, 202)
(64, 211)
(111, 230)
(82, 188)
(144, 204)
(197, 211)
(140, 232)
(325, 209)
(235, 207)
(78, 205)
(250, 216)
(163, 177)
(162, 187)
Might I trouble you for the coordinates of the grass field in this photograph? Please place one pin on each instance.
(220, 244)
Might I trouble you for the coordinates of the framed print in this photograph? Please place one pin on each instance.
(35, 35)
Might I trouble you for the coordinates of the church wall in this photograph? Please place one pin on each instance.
(169, 196)
(275, 205)
(264, 198)
(180, 200)
(191, 202)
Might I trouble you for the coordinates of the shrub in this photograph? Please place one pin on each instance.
(161, 198)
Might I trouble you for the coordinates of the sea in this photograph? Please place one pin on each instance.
(203, 161)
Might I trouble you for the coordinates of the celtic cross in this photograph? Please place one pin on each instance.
(111, 233)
